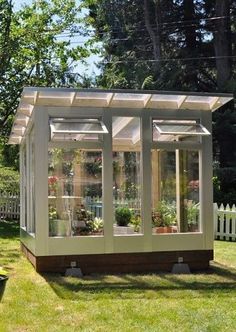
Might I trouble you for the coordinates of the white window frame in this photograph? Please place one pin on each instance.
(53, 130)
(179, 145)
(156, 126)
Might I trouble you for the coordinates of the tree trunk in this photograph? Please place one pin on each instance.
(190, 41)
(190, 29)
(222, 42)
(153, 33)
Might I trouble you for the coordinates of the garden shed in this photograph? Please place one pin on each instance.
(115, 181)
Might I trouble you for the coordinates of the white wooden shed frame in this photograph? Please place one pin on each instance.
(109, 253)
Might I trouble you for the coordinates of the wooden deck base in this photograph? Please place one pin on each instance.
(121, 263)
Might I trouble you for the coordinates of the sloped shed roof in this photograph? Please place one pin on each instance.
(58, 97)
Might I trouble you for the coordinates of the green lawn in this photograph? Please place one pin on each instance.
(152, 302)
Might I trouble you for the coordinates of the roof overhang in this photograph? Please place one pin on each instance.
(66, 97)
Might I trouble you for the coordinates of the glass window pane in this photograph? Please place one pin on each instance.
(175, 191)
(32, 180)
(25, 185)
(126, 131)
(126, 176)
(75, 192)
(76, 129)
(178, 130)
(85, 126)
(75, 137)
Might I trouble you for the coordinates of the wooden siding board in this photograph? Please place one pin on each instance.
(121, 263)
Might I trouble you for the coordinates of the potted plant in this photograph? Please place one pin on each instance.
(58, 225)
(3, 281)
(164, 217)
(52, 216)
(192, 216)
(83, 224)
(52, 185)
(97, 226)
(123, 216)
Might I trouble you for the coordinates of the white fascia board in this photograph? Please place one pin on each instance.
(96, 98)
(14, 139)
(89, 99)
(122, 98)
(21, 119)
(26, 109)
(18, 130)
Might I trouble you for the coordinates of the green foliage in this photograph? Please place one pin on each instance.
(94, 167)
(164, 214)
(192, 212)
(132, 31)
(9, 154)
(224, 145)
(224, 184)
(136, 222)
(85, 218)
(143, 48)
(52, 213)
(96, 225)
(93, 190)
(9, 180)
(123, 216)
(83, 214)
(32, 52)
(224, 132)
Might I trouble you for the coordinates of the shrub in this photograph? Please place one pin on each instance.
(9, 180)
(123, 216)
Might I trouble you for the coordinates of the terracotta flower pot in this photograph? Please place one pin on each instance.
(166, 229)
(3, 281)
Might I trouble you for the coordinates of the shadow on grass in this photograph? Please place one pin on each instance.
(217, 280)
(9, 236)
(9, 229)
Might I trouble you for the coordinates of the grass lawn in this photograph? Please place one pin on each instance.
(152, 302)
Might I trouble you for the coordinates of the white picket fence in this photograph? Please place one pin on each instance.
(94, 204)
(9, 206)
(224, 216)
(225, 222)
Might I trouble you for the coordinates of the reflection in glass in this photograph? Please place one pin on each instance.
(126, 176)
(31, 224)
(175, 191)
(25, 184)
(75, 192)
(178, 130)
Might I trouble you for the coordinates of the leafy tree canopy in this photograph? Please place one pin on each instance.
(182, 45)
(33, 51)
(169, 45)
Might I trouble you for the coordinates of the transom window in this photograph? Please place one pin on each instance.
(64, 129)
(172, 130)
